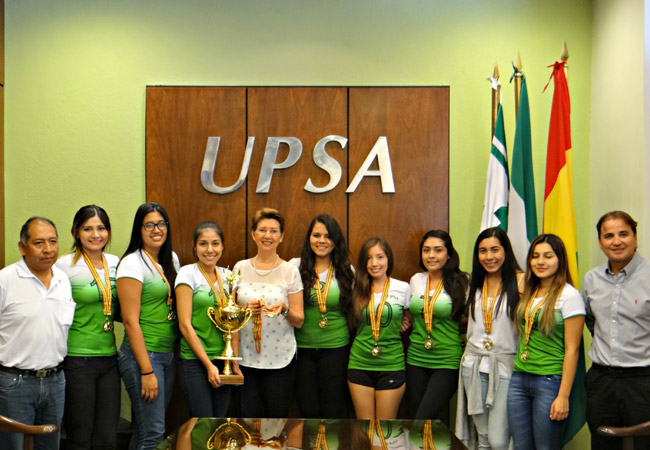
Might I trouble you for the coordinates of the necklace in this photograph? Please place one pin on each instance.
(264, 272)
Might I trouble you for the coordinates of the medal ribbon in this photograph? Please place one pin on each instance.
(162, 275)
(429, 303)
(106, 290)
(375, 316)
(321, 439)
(529, 314)
(380, 433)
(487, 308)
(427, 437)
(257, 329)
(219, 296)
(321, 296)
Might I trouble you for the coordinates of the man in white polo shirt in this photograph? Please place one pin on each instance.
(36, 311)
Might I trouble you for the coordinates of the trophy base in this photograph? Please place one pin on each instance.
(236, 380)
(228, 358)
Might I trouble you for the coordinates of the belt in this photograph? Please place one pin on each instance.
(43, 373)
(623, 371)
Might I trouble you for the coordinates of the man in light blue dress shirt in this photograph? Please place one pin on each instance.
(617, 297)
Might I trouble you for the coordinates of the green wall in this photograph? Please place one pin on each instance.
(76, 72)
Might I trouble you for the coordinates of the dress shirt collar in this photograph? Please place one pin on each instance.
(629, 268)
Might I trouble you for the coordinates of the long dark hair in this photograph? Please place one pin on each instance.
(509, 271)
(165, 258)
(85, 213)
(454, 280)
(362, 282)
(560, 279)
(340, 262)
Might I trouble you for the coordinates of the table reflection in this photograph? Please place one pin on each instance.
(249, 434)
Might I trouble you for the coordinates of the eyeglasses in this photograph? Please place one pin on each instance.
(272, 231)
(149, 226)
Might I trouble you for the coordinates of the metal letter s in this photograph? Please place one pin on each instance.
(327, 163)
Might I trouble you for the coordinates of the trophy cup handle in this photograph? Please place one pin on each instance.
(211, 313)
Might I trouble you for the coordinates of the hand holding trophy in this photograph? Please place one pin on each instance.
(230, 318)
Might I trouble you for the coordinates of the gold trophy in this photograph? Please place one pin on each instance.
(229, 319)
(229, 436)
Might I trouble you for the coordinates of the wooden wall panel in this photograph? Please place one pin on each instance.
(414, 120)
(416, 123)
(179, 121)
(309, 114)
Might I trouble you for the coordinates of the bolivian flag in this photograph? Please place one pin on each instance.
(559, 215)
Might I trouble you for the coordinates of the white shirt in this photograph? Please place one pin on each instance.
(278, 340)
(34, 321)
(502, 335)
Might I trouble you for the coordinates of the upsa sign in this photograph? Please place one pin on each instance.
(323, 160)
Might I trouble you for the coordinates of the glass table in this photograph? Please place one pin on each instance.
(313, 434)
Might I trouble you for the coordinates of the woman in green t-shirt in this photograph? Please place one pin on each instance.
(376, 369)
(145, 277)
(323, 340)
(92, 388)
(551, 316)
(437, 303)
(200, 286)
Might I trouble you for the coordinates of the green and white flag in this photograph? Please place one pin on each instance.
(522, 212)
(495, 208)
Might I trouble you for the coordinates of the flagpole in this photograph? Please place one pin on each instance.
(496, 96)
(518, 76)
(564, 57)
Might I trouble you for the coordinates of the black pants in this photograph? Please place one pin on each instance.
(92, 402)
(428, 391)
(267, 393)
(321, 382)
(617, 397)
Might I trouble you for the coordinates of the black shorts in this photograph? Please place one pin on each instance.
(380, 380)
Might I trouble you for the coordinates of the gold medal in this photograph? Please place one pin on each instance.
(375, 316)
(108, 324)
(321, 295)
(105, 290)
(171, 315)
(428, 343)
(488, 344)
(524, 355)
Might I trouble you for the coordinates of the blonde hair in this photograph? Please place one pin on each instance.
(267, 213)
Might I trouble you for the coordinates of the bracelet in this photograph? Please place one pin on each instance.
(145, 374)
(286, 313)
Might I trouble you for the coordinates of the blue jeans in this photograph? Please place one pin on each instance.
(202, 399)
(148, 417)
(492, 425)
(529, 406)
(34, 401)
